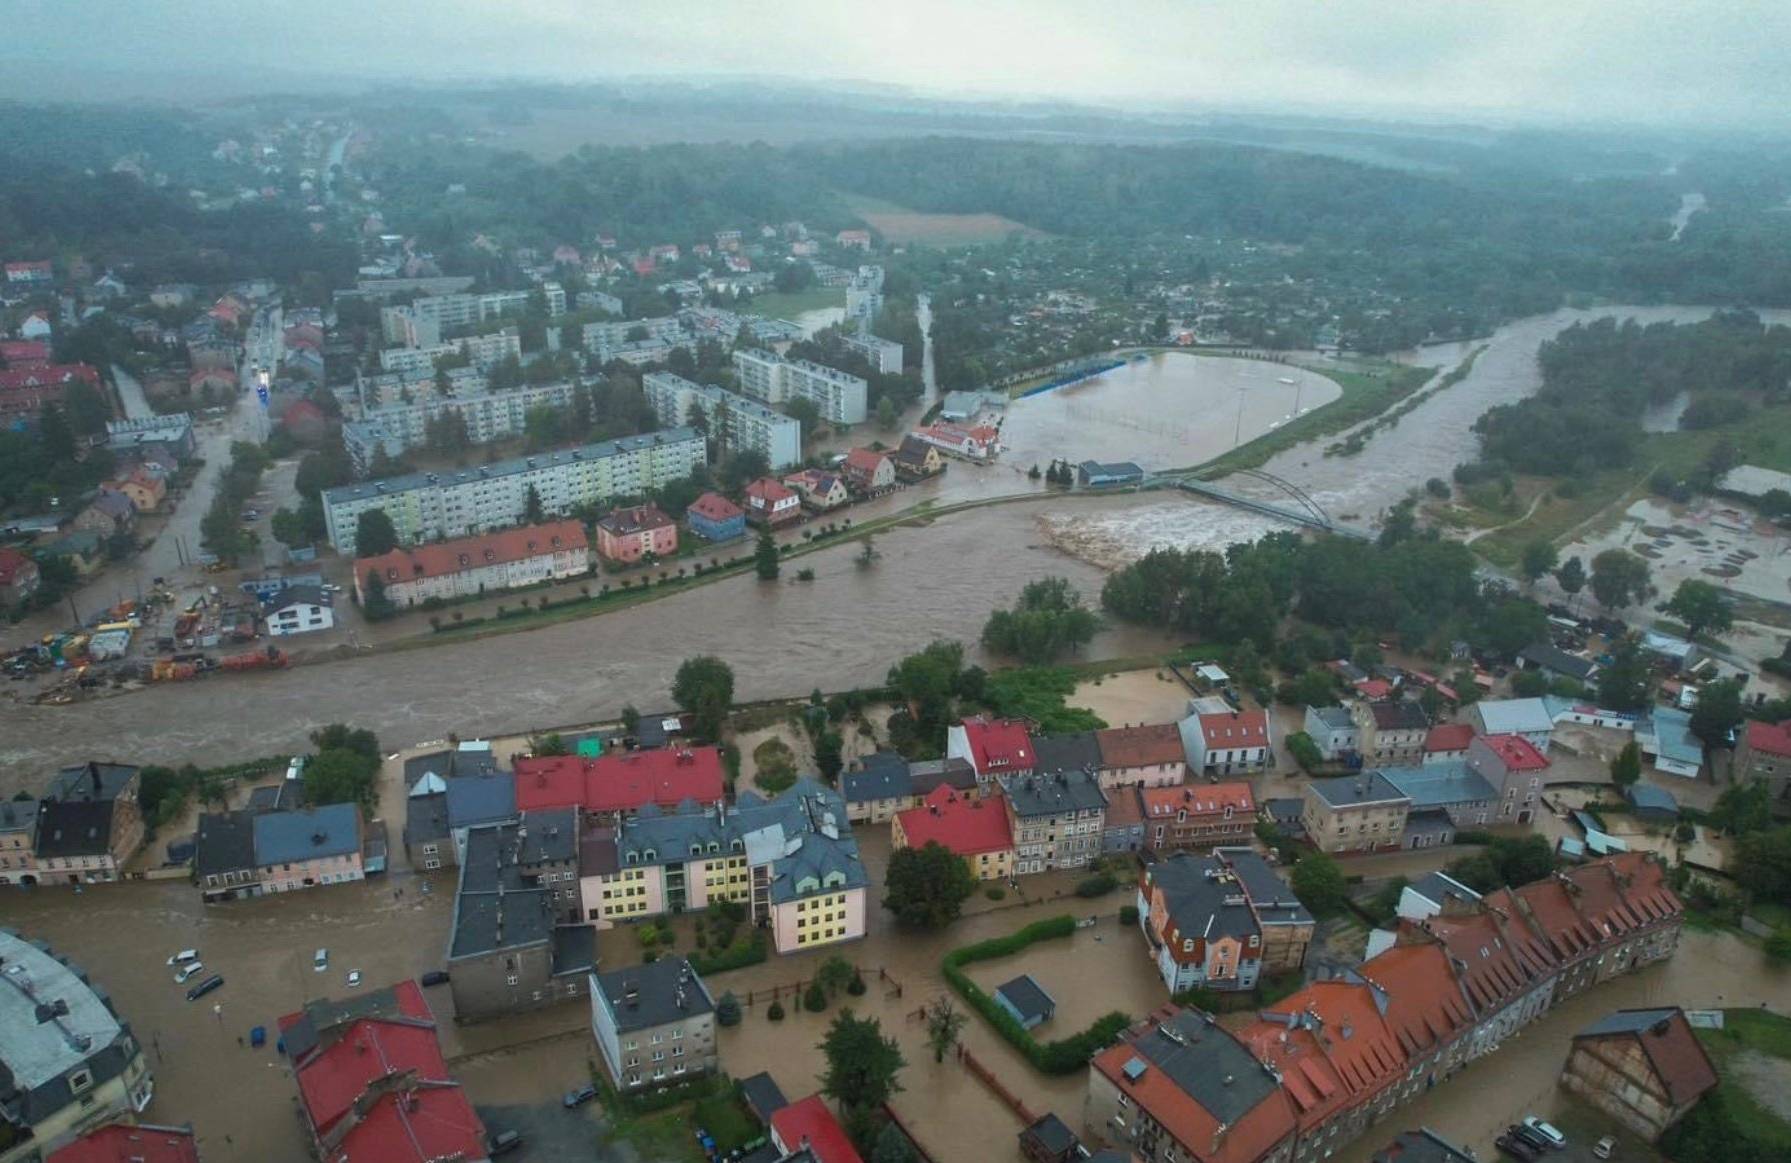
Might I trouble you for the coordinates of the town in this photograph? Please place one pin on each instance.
(736, 623)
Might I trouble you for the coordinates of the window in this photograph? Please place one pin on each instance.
(80, 1080)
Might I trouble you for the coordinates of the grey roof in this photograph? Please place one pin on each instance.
(1053, 795)
(1629, 1022)
(317, 1018)
(1080, 751)
(522, 464)
(1270, 895)
(1112, 469)
(1436, 785)
(659, 730)
(763, 1095)
(451, 763)
(549, 836)
(499, 905)
(276, 797)
(1027, 996)
(284, 837)
(1650, 798)
(955, 773)
(1052, 1134)
(643, 996)
(36, 1055)
(884, 775)
(1335, 717)
(574, 950)
(1671, 729)
(1428, 822)
(300, 595)
(18, 816)
(481, 799)
(1398, 715)
(1514, 716)
(1551, 657)
(801, 833)
(73, 828)
(426, 818)
(1437, 886)
(1422, 1146)
(1370, 787)
(225, 842)
(90, 782)
(1208, 1064)
(1197, 900)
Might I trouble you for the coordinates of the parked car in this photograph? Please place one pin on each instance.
(1551, 1137)
(1605, 1147)
(188, 970)
(579, 1097)
(320, 960)
(1518, 1148)
(205, 987)
(503, 1143)
(354, 977)
(184, 956)
(435, 977)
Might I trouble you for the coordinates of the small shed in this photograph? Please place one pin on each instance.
(1653, 805)
(1050, 1140)
(1026, 1000)
(1094, 475)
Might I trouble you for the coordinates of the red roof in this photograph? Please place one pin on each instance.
(1374, 688)
(1516, 752)
(1235, 728)
(124, 1143)
(715, 507)
(998, 745)
(1153, 745)
(768, 491)
(634, 519)
(445, 557)
(621, 782)
(809, 1123)
(1345, 1058)
(38, 375)
(1772, 738)
(399, 1125)
(1198, 799)
(863, 460)
(19, 352)
(11, 562)
(1449, 737)
(966, 826)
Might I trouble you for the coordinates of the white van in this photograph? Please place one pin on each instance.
(320, 960)
(184, 956)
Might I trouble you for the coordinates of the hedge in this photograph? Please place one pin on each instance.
(1064, 1056)
(736, 956)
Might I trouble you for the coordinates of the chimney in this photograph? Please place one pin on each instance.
(93, 773)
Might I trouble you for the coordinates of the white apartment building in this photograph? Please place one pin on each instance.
(864, 294)
(446, 312)
(613, 333)
(734, 421)
(483, 350)
(773, 379)
(434, 506)
(885, 355)
(488, 415)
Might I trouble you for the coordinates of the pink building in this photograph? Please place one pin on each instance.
(628, 535)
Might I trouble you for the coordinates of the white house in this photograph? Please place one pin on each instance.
(35, 326)
(1226, 742)
(299, 610)
(1333, 730)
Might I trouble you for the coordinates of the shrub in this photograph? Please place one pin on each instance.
(775, 1011)
(1099, 884)
(857, 987)
(727, 1010)
(737, 954)
(995, 892)
(814, 998)
(1128, 914)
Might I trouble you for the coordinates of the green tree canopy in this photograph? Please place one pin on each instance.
(1047, 620)
(1320, 884)
(1701, 606)
(926, 887)
(862, 1064)
(1619, 578)
(704, 686)
(374, 533)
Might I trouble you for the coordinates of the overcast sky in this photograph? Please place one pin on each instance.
(1678, 61)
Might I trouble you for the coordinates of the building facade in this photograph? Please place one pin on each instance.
(733, 421)
(469, 566)
(1058, 821)
(653, 1024)
(1354, 813)
(636, 533)
(772, 379)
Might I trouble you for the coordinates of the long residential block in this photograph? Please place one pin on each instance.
(769, 377)
(735, 421)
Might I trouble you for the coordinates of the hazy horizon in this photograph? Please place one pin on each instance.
(1622, 62)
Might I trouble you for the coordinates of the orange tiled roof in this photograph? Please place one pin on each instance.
(444, 558)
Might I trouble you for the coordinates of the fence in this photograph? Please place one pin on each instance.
(793, 991)
(987, 1077)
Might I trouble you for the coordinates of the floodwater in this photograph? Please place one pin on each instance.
(1689, 204)
(843, 629)
(818, 319)
(1168, 410)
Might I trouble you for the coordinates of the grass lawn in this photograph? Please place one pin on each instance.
(779, 305)
(664, 1137)
(726, 1119)
(1762, 1032)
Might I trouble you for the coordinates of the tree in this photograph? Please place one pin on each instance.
(1571, 576)
(1623, 682)
(886, 414)
(342, 737)
(552, 743)
(532, 512)
(1320, 884)
(289, 528)
(861, 1063)
(1047, 619)
(1763, 864)
(727, 1009)
(944, 1023)
(337, 776)
(1626, 767)
(1314, 687)
(926, 887)
(1743, 808)
(805, 412)
(835, 974)
(374, 533)
(828, 758)
(1540, 556)
(704, 686)
(1619, 578)
(375, 604)
(1513, 624)
(1701, 606)
(764, 557)
(54, 431)
(892, 1146)
(1717, 712)
(631, 718)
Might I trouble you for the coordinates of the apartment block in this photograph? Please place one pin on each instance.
(884, 354)
(435, 506)
(483, 350)
(734, 421)
(488, 416)
(772, 379)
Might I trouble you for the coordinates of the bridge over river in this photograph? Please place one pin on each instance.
(1299, 508)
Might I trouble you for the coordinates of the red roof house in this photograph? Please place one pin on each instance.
(770, 502)
(621, 782)
(966, 825)
(809, 1124)
(378, 1088)
(1448, 741)
(24, 352)
(867, 470)
(128, 1143)
(1515, 752)
(1769, 738)
(994, 747)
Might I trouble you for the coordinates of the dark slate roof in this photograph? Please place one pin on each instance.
(763, 1095)
(1422, 1146)
(1027, 996)
(90, 781)
(481, 799)
(1628, 1022)
(1197, 900)
(73, 828)
(1080, 751)
(1051, 1134)
(1270, 895)
(574, 950)
(449, 764)
(318, 1018)
(1551, 657)
(1398, 715)
(276, 797)
(1208, 1064)
(1647, 797)
(651, 731)
(1435, 886)
(1052, 795)
(883, 776)
(497, 907)
(1370, 787)
(426, 818)
(226, 843)
(955, 773)
(643, 996)
(548, 837)
(331, 830)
